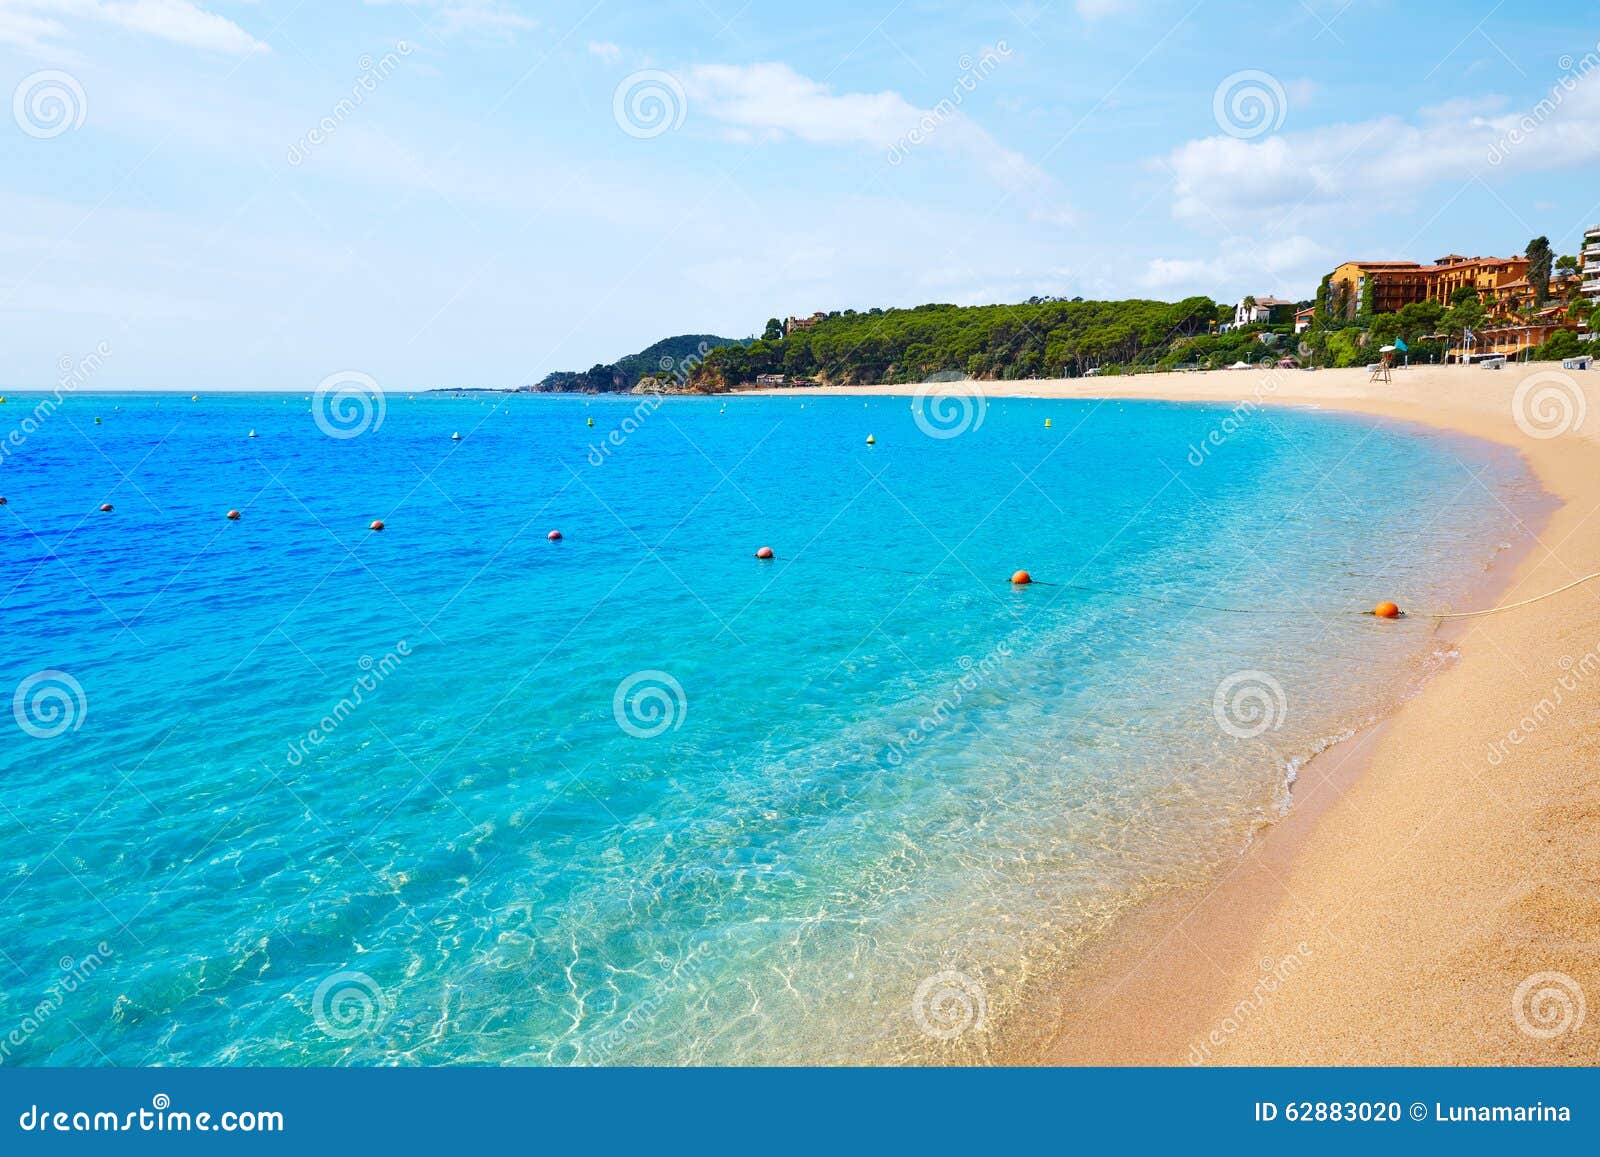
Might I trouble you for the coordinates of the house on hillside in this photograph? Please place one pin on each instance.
(795, 323)
(1302, 318)
(1257, 310)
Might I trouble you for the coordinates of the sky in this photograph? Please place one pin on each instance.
(227, 194)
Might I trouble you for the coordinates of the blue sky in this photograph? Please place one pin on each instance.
(233, 194)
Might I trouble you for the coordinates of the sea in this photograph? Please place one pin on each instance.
(283, 789)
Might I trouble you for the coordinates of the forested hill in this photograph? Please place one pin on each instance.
(665, 356)
(1038, 338)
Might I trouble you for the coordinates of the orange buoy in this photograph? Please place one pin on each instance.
(233, 516)
(554, 536)
(105, 508)
(1022, 578)
(1386, 610)
(764, 552)
(377, 524)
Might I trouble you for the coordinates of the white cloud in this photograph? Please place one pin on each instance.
(31, 24)
(1096, 9)
(1382, 164)
(1284, 267)
(605, 50)
(772, 102)
(481, 16)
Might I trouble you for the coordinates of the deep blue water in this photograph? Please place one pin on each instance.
(454, 792)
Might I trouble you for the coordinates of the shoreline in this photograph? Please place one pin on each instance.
(1397, 913)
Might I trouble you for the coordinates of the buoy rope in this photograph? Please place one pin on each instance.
(1163, 600)
(1507, 606)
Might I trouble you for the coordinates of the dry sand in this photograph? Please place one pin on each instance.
(1421, 904)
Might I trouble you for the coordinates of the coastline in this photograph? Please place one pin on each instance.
(1431, 875)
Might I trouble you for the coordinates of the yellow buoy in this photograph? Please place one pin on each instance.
(1047, 423)
(871, 441)
(195, 398)
(591, 421)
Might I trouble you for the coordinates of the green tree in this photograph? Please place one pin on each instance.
(1561, 344)
(1539, 261)
(774, 330)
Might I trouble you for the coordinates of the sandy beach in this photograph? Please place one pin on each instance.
(1433, 897)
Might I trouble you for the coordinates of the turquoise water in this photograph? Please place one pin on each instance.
(457, 793)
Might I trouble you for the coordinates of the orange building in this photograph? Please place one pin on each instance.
(1396, 284)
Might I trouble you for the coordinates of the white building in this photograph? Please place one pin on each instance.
(1253, 310)
(1591, 262)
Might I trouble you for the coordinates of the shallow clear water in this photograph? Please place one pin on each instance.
(884, 765)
